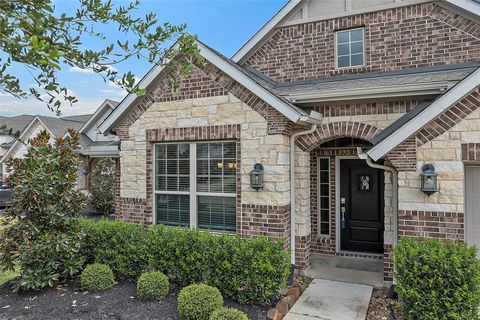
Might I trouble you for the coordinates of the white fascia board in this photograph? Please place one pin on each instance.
(100, 151)
(440, 105)
(371, 93)
(151, 75)
(265, 30)
(22, 137)
(90, 120)
(469, 6)
(250, 84)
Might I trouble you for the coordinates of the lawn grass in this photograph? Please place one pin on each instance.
(7, 275)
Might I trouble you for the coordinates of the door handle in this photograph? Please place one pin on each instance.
(343, 222)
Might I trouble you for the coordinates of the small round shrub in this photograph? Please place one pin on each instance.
(198, 301)
(97, 277)
(225, 313)
(152, 286)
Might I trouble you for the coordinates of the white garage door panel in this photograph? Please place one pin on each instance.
(472, 215)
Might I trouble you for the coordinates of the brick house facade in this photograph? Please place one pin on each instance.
(406, 98)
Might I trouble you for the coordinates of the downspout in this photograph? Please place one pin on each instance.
(293, 139)
(363, 155)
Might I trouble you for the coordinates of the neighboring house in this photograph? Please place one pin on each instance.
(93, 145)
(16, 125)
(362, 94)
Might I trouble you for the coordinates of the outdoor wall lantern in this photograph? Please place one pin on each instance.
(429, 179)
(256, 177)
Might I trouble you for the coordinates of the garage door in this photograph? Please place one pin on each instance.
(472, 193)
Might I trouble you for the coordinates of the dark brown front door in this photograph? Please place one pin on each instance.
(361, 206)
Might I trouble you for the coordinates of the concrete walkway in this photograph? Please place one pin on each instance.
(347, 269)
(332, 300)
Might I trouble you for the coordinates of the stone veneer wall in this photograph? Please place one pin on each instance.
(406, 37)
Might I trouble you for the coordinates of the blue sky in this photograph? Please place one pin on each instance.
(223, 24)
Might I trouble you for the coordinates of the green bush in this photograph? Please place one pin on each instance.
(44, 239)
(152, 286)
(437, 279)
(245, 270)
(118, 244)
(198, 301)
(225, 313)
(102, 190)
(97, 277)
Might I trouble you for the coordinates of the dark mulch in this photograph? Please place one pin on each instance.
(69, 302)
(379, 303)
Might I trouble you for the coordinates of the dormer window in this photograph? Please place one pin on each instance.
(350, 48)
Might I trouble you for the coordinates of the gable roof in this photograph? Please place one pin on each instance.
(17, 123)
(91, 119)
(412, 122)
(233, 70)
(468, 8)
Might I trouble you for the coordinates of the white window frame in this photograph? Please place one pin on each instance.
(350, 55)
(319, 196)
(193, 182)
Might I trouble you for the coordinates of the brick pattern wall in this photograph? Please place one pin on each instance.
(333, 130)
(366, 108)
(303, 255)
(407, 37)
(441, 225)
(206, 80)
(470, 151)
(388, 262)
(404, 157)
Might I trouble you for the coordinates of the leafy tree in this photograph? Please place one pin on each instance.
(102, 190)
(44, 240)
(34, 35)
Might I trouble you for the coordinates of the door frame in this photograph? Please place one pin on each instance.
(466, 164)
(338, 247)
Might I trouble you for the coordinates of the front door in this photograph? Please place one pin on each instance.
(361, 206)
(472, 201)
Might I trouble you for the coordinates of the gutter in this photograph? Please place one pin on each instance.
(293, 139)
(365, 156)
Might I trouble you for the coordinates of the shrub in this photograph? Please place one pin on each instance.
(245, 270)
(102, 190)
(437, 279)
(44, 241)
(198, 301)
(152, 286)
(225, 313)
(97, 277)
(118, 244)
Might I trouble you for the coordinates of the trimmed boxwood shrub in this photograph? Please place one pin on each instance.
(97, 277)
(225, 313)
(152, 286)
(245, 270)
(198, 302)
(437, 279)
(118, 244)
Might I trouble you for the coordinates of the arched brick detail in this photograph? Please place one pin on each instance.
(330, 131)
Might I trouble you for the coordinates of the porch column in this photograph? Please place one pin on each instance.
(302, 207)
(388, 233)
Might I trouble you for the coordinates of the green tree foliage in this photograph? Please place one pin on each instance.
(102, 190)
(34, 35)
(44, 240)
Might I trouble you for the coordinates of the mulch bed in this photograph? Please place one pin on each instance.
(68, 301)
(377, 310)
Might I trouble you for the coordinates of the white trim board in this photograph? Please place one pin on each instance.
(468, 8)
(440, 105)
(291, 112)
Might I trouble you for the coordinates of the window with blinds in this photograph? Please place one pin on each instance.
(324, 196)
(196, 184)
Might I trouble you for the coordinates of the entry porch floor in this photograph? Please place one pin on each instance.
(366, 271)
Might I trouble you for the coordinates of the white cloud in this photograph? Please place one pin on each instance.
(88, 71)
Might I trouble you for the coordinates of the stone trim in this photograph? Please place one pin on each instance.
(429, 224)
(206, 80)
(450, 118)
(335, 130)
(470, 151)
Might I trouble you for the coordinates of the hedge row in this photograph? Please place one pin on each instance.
(245, 270)
(437, 279)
